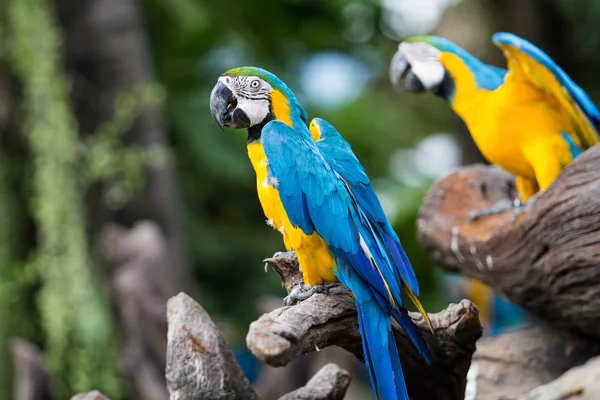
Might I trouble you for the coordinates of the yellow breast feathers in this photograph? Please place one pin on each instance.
(313, 253)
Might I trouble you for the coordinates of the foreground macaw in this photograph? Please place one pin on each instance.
(531, 120)
(315, 192)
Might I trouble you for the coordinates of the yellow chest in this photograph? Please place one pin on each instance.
(313, 253)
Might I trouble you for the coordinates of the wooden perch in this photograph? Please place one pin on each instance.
(547, 260)
(200, 364)
(509, 365)
(581, 383)
(330, 383)
(330, 319)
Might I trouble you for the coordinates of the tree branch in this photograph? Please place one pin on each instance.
(200, 364)
(547, 261)
(330, 319)
(330, 383)
(512, 364)
(581, 383)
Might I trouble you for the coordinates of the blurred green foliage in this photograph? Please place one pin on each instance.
(122, 169)
(74, 316)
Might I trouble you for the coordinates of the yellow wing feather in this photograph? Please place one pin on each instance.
(523, 69)
(417, 303)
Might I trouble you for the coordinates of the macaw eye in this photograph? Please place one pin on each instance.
(254, 84)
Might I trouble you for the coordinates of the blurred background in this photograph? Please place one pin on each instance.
(117, 190)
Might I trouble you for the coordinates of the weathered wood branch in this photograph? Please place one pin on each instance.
(325, 320)
(510, 365)
(32, 379)
(330, 383)
(581, 383)
(547, 260)
(200, 364)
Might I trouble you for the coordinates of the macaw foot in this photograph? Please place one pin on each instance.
(516, 208)
(498, 208)
(278, 255)
(303, 292)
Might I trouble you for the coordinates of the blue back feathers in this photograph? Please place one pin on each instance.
(338, 153)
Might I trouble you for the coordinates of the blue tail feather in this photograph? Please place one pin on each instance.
(379, 345)
(413, 333)
(401, 261)
(381, 353)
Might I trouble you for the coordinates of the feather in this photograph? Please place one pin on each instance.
(526, 61)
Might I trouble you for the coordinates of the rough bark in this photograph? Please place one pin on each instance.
(32, 380)
(330, 383)
(581, 383)
(330, 319)
(507, 366)
(200, 364)
(140, 286)
(547, 260)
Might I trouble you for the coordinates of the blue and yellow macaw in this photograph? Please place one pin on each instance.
(531, 120)
(315, 192)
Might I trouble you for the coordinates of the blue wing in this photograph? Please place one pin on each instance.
(316, 198)
(528, 61)
(338, 153)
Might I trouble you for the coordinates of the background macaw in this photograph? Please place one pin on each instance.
(531, 120)
(315, 192)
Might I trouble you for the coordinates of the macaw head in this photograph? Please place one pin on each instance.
(437, 65)
(249, 97)
(419, 61)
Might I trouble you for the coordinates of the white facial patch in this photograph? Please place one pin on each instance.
(425, 63)
(252, 94)
(256, 110)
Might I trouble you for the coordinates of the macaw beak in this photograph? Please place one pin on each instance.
(400, 69)
(224, 109)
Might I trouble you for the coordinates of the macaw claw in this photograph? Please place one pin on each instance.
(522, 207)
(303, 292)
